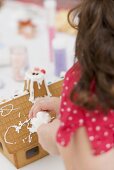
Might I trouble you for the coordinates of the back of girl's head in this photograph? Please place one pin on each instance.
(95, 52)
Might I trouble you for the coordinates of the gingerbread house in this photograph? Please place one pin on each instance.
(17, 143)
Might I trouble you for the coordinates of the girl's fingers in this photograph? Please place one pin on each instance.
(36, 110)
(31, 113)
(38, 100)
(42, 104)
(36, 104)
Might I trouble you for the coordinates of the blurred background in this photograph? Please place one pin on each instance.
(34, 34)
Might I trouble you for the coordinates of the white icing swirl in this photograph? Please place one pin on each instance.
(41, 118)
(38, 77)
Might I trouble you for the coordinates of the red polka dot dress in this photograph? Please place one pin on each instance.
(99, 127)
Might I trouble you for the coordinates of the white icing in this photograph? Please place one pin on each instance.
(41, 118)
(19, 114)
(5, 135)
(62, 74)
(47, 89)
(30, 138)
(25, 122)
(17, 129)
(4, 108)
(35, 78)
(27, 87)
(16, 97)
(36, 122)
(23, 140)
(31, 98)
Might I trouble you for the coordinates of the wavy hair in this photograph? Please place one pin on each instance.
(95, 52)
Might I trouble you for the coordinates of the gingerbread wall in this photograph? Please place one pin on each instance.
(23, 148)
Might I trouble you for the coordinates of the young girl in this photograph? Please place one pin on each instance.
(84, 135)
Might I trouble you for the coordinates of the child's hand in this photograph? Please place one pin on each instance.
(47, 136)
(45, 104)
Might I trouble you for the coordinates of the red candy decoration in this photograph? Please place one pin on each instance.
(43, 71)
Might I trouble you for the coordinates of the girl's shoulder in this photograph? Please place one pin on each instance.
(72, 76)
(74, 70)
(99, 127)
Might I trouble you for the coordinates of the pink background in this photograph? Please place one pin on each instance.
(61, 3)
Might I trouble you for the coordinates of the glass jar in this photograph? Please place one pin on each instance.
(19, 61)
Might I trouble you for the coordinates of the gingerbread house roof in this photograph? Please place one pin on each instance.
(14, 122)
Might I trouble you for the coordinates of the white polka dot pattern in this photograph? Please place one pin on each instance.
(63, 143)
(98, 125)
(65, 103)
(105, 118)
(98, 128)
(75, 83)
(87, 114)
(106, 133)
(81, 121)
(62, 110)
(91, 138)
(62, 124)
(90, 129)
(66, 88)
(67, 78)
(93, 120)
(63, 94)
(74, 111)
(108, 145)
(68, 109)
(70, 118)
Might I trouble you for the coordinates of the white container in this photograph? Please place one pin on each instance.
(60, 55)
(4, 55)
(50, 8)
(19, 62)
(50, 12)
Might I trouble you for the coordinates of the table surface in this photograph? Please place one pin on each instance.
(47, 163)
(38, 54)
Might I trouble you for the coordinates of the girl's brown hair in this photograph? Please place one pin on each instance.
(95, 52)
